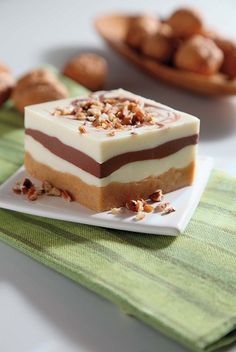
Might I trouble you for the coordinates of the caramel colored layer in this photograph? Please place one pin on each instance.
(115, 194)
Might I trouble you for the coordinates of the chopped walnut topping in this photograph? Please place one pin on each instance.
(140, 216)
(109, 113)
(168, 210)
(111, 134)
(82, 129)
(67, 111)
(156, 196)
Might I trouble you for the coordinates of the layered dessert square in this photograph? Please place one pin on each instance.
(110, 147)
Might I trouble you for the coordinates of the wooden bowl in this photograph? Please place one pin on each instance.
(113, 29)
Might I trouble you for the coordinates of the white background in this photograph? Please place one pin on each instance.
(42, 311)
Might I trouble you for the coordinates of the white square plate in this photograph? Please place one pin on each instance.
(184, 200)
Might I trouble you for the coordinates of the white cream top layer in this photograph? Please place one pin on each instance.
(96, 143)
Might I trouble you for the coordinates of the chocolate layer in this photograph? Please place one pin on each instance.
(88, 164)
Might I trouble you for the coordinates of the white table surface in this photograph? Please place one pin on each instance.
(42, 311)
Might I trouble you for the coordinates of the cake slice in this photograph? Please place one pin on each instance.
(110, 147)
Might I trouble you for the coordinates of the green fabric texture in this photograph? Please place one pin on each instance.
(183, 286)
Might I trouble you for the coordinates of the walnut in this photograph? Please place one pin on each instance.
(200, 55)
(46, 186)
(160, 45)
(6, 85)
(168, 210)
(162, 206)
(186, 22)
(6, 82)
(147, 208)
(4, 67)
(135, 205)
(139, 28)
(37, 86)
(82, 129)
(32, 194)
(88, 69)
(66, 196)
(229, 49)
(156, 196)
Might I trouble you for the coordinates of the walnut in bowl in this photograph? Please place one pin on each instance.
(186, 22)
(160, 45)
(200, 55)
(139, 28)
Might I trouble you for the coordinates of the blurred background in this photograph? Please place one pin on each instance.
(33, 32)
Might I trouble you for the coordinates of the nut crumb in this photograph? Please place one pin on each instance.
(82, 129)
(168, 210)
(16, 189)
(46, 186)
(147, 208)
(32, 194)
(111, 134)
(140, 216)
(156, 196)
(116, 211)
(66, 196)
(162, 206)
(55, 192)
(135, 205)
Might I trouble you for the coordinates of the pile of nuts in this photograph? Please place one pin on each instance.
(109, 114)
(27, 188)
(141, 207)
(41, 85)
(182, 41)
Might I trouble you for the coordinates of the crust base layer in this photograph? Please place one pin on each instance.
(114, 194)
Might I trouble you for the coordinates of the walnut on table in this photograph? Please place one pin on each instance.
(6, 82)
(37, 86)
(88, 69)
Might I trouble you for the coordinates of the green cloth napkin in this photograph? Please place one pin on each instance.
(183, 286)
